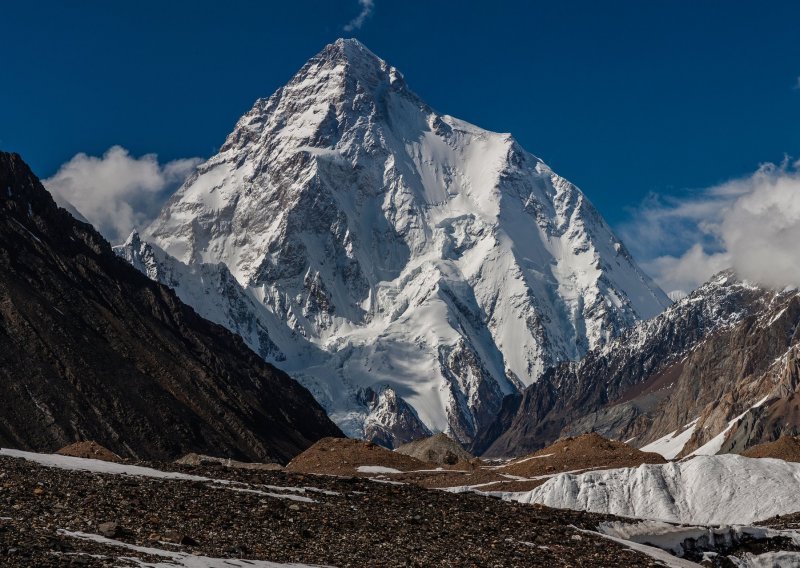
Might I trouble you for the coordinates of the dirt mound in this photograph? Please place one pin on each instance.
(200, 459)
(784, 448)
(439, 449)
(343, 456)
(91, 450)
(588, 451)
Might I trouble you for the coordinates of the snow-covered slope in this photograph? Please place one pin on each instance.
(391, 245)
(212, 291)
(723, 489)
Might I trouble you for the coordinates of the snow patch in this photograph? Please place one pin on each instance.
(179, 559)
(376, 469)
(713, 446)
(112, 468)
(671, 445)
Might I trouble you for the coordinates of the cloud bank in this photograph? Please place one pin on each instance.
(358, 21)
(750, 224)
(118, 192)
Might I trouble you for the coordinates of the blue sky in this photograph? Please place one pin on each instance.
(624, 98)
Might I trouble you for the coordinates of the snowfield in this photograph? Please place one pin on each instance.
(706, 490)
(97, 466)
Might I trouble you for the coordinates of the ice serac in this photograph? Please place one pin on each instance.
(394, 246)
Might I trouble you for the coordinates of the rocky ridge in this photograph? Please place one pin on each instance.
(588, 451)
(89, 449)
(93, 350)
(707, 359)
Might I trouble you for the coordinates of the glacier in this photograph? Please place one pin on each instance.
(725, 489)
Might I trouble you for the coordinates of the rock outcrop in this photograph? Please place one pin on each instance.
(588, 451)
(343, 456)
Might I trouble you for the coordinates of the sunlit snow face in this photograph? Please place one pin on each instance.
(387, 245)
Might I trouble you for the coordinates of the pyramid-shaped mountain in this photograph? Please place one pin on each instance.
(409, 268)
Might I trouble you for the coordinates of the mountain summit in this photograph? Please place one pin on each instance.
(409, 268)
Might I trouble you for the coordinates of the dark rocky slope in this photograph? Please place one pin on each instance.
(92, 349)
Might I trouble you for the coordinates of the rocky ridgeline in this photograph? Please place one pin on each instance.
(93, 349)
(439, 449)
(723, 361)
(438, 462)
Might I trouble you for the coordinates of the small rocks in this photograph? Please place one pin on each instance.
(351, 523)
(109, 529)
(186, 540)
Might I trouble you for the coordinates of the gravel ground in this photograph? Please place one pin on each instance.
(783, 522)
(341, 522)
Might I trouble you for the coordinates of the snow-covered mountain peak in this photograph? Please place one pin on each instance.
(400, 247)
(133, 240)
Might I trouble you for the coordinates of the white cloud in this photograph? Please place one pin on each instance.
(750, 224)
(358, 21)
(117, 192)
(685, 272)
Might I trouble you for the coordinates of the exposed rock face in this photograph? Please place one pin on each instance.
(440, 449)
(740, 385)
(699, 359)
(374, 242)
(92, 349)
(390, 418)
